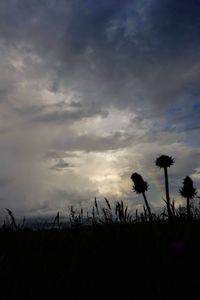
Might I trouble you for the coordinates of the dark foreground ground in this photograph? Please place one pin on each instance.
(139, 261)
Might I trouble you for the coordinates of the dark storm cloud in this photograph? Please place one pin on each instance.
(179, 24)
(112, 52)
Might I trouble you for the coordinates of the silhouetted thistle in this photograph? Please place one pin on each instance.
(165, 161)
(140, 187)
(189, 192)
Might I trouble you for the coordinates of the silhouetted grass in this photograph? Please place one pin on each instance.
(118, 258)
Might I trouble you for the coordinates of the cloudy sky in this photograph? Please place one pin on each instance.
(92, 91)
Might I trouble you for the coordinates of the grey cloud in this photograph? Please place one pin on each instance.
(93, 143)
(4, 181)
(59, 154)
(60, 112)
(61, 165)
(68, 116)
(74, 198)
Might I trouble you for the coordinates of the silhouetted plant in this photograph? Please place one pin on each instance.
(173, 210)
(121, 212)
(189, 192)
(23, 223)
(136, 215)
(140, 187)
(76, 218)
(165, 161)
(110, 215)
(13, 223)
(96, 206)
(108, 218)
(95, 213)
(57, 221)
(107, 213)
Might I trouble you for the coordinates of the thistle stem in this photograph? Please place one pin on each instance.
(147, 205)
(188, 209)
(167, 194)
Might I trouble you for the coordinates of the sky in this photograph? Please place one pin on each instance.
(92, 91)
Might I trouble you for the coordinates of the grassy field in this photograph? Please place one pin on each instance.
(145, 260)
(107, 253)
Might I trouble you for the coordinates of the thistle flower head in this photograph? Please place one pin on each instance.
(139, 185)
(188, 190)
(164, 161)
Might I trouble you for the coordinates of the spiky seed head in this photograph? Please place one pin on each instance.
(164, 161)
(139, 185)
(188, 190)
